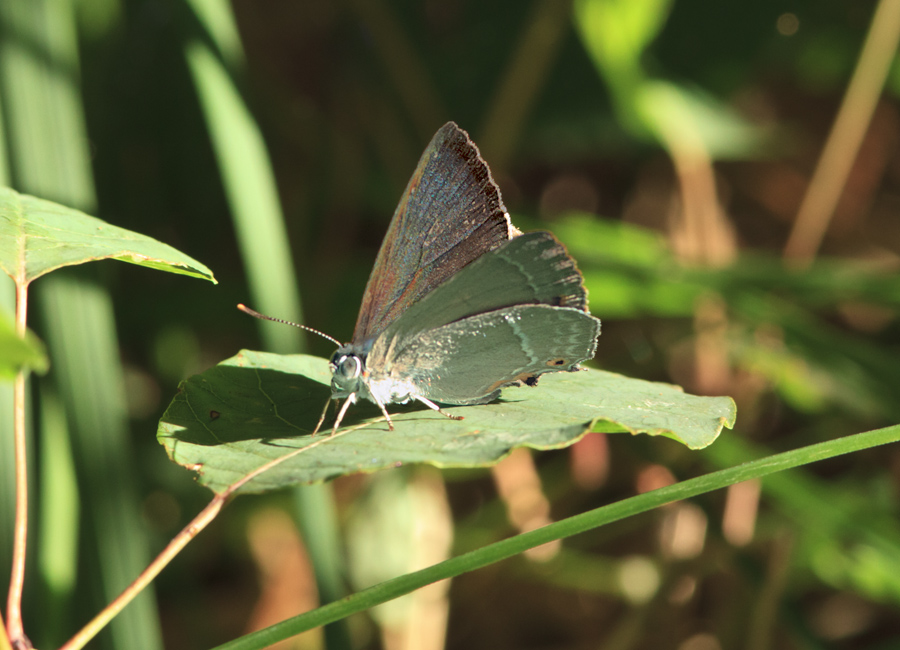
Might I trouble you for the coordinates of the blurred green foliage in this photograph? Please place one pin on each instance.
(344, 96)
(16, 353)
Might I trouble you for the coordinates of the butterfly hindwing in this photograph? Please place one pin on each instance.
(469, 361)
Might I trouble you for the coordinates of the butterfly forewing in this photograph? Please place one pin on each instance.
(450, 214)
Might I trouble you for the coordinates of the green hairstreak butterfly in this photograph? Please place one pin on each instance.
(460, 303)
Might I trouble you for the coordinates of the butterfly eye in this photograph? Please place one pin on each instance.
(349, 366)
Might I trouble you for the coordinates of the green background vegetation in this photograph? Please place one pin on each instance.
(669, 145)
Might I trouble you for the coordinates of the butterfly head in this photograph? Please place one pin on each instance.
(348, 368)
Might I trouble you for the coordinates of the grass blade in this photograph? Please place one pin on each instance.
(572, 526)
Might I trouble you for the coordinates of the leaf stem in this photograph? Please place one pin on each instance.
(181, 540)
(20, 532)
(174, 547)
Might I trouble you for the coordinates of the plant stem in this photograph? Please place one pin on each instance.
(846, 135)
(20, 533)
(526, 75)
(189, 532)
(181, 540)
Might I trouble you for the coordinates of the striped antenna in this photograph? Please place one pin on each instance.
(256, 314)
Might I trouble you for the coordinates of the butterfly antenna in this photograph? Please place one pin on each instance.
(256, 314)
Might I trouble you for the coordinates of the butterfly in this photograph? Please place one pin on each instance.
(460, 303)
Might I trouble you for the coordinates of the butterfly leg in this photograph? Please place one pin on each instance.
(435, 407)
(350, 400)
(342, 412)
(387, 415)
(321, 418)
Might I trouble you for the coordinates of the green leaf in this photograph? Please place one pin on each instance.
(617, 32)
(689, 120)
(609, 242)
(629, 272)
(16, 353)
(38, 236)
(256, 407)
